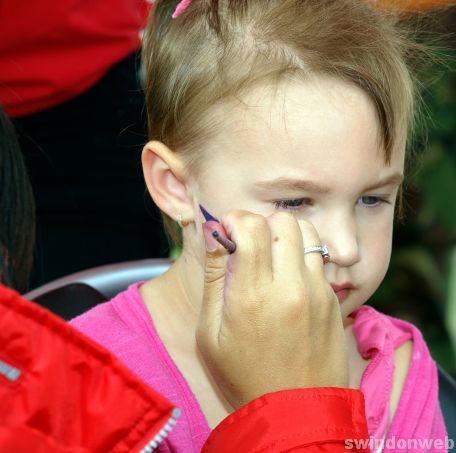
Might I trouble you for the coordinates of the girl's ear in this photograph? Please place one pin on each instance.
(165, 179)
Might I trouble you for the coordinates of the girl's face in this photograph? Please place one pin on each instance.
(314, 150)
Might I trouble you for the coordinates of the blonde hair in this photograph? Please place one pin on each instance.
(217, 49)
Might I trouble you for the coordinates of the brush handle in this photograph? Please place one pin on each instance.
(218, 232)
(227, 243)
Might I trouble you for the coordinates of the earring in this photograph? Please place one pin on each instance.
(179, 219)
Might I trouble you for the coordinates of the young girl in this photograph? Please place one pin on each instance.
(59, 382)
(301, 107)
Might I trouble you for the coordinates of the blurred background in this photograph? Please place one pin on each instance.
(421, 283)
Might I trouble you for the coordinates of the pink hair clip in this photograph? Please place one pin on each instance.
(180, 8)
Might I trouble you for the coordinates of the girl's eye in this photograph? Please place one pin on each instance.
(371, 201)
(292, 205)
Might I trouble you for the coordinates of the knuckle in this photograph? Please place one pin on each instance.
(232, 216)
(282, 218)
(238, 215)
(244, 222)
(253, 222)
(214, 273)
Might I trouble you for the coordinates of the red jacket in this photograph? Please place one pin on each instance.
(314, 420)
(61, 392)
(52, 51)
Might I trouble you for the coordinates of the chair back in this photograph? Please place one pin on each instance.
(110, 279)
(76, 293)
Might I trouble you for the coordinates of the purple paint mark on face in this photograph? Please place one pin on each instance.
(208, 216)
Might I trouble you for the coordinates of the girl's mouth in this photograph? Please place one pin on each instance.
(342, 290)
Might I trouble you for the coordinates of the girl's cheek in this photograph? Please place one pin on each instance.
(377, 240)
(382, 254)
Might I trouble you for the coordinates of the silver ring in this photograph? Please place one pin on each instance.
(323, 249)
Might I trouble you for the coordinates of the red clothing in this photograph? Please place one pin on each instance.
(52, 51)
(61, 392)
(314, 420)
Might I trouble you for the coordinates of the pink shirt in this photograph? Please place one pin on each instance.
(418, 415)
(125, 327)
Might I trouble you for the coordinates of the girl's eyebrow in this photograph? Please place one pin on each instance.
(283, 183)
(396, 179)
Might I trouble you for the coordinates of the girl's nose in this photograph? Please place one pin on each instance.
(341, 236)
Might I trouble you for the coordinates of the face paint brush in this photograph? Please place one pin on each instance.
(218, 232)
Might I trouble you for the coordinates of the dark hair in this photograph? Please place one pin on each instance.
(17, 211)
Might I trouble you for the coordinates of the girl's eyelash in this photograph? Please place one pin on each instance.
(292, 204)
(297, 203)
(378, 201)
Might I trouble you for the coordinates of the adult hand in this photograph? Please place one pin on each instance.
(269, 321)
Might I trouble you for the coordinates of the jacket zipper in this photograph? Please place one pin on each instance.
(163, 433)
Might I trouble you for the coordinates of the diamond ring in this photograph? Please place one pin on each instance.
(323, 249)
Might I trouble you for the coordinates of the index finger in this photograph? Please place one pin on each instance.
(251, 264)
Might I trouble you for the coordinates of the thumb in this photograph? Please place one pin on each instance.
(214, 282)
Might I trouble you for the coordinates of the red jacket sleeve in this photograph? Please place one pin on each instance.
(62, 392)
(314, 420)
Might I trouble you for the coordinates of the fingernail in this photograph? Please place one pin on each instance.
(211, 244)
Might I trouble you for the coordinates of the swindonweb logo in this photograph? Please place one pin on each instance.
(399, 444)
